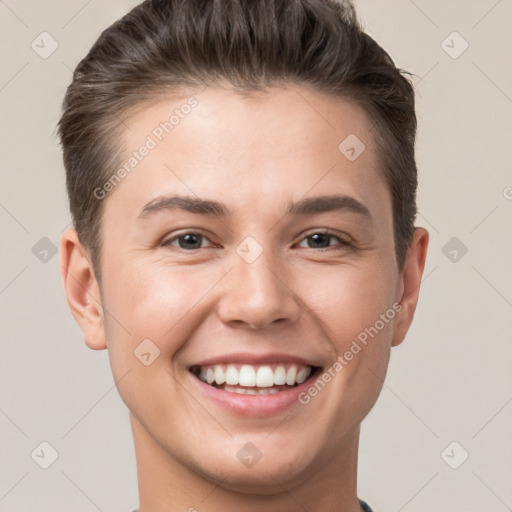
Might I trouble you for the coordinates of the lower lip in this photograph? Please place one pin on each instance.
(254, 405)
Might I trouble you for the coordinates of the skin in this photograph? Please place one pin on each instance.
(256, 154)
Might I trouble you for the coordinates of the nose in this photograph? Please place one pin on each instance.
(257, 295)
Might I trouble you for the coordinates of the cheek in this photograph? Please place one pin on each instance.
(347, 302)
(355, 306)
(348, 299)
(149, 301)
(151, 309)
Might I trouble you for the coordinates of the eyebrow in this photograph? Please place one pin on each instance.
(309, 205)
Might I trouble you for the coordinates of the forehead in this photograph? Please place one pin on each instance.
(263, 147)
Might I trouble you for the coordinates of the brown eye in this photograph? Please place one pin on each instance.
(187, 241)
(322, 240)
(319, 240)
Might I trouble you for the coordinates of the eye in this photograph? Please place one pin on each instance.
(187, 241)
(321, 240)
(317, 240)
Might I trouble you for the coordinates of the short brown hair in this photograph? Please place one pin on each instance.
(169, 45)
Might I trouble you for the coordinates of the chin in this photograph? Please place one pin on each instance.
(267, 476)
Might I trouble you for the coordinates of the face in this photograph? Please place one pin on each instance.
(247, 246)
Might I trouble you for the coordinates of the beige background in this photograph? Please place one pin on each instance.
(450, 381)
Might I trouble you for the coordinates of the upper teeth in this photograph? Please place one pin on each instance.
(259, 376)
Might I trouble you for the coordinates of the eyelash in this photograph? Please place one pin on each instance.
(342, 243)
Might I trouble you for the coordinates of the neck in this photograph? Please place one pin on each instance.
(170, 482)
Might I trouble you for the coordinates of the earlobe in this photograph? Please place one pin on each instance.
(82, 290)
(410, 282)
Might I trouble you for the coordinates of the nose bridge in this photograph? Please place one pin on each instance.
(255, 293)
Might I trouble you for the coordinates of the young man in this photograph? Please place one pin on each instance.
(242, 184)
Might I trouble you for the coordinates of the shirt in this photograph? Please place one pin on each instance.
(364, 506)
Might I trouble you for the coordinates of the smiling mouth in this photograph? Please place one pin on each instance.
(247, 379)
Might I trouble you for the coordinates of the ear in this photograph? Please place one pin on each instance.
(410, 281)
(82, 289)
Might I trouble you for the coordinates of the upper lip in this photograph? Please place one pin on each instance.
(254, 359)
